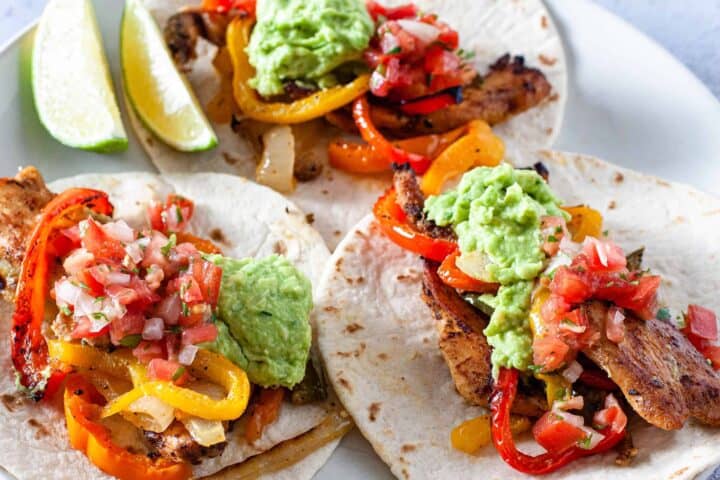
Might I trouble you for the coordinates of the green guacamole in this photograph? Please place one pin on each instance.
(264, 307)
(305, 40)
(496, 212)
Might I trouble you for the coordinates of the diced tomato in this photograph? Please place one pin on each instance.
(169, 309)
(555, 434)
(641, 297)
(428, 105)
(130, 324)
(105, 249)
(173, 216)
(193, 316)
(701, 322)
(712, 353)
(571, 286)
(603, 255)
(614, 325)
(73, 234)
(147, 351)
(611, 416)
(439, 61)
(597, 379)
(448, 37)
(82, 329)
(90, 283)
(199, 334)
(208, 276)
(190, 292)
(145, 295)
(60, 245)
(167, 370)
(549, 351)
(154, 254)
(377, 10)
(183, 253)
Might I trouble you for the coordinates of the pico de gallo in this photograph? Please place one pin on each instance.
(503, 230)
(138, 325)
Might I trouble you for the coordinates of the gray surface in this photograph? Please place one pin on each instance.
(689, 29)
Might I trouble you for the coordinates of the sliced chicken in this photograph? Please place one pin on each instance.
(663, 377)
(22, 198)
(412, 201)
(464, 346)
(176, 444)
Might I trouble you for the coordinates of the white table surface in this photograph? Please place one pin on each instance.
(689, 29)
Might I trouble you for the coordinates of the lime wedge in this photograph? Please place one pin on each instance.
(71, 83)
(160, 95)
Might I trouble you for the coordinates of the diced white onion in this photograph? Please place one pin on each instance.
(572, 327)
(153, 329)
(559, 260)
(187, 354)
(424, 32)
(594, 436)
(154, 276)
(169, 309)
(572, 372)
(77, 260)
(156, 415)
(571, 418)
(67, 293)
(276, 166)
(205, 432)
(570, 248)
(118, 278)
(119, 230)
(573, 403)
(135, 251)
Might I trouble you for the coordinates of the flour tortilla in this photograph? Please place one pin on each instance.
(380, 346)
(338, 200)
(245, 220)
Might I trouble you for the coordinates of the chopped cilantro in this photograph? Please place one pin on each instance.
(178, 373)
(585, 442)
(170, 244)
(663, 314)
(131, 341)
(395, 50)
(178, 214)
(99, 316)
(65, 310)
(605, 233)
(185, 310)
(552, 238)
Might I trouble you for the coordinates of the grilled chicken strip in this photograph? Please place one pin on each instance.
(412, 200)
(22, 199)
(183, 30)
(176, 444)
(509, 88)
(662, 376)
(464, 346)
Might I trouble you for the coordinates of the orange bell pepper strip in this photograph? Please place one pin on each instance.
(451, 275)
(393, 222)
(308, 108)
(363, 158)
(383, 147)
(226, 6)
(29, 348)
(263, 412)
(82, 407)
(480, 146)
(585, 222)
(202, 244)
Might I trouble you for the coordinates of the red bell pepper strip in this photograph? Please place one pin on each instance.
(597, 379)
(500, 405)
(82, 413)
(428, 105)
(394, 224)
(391, 13)
(361, 114)
(29, 349)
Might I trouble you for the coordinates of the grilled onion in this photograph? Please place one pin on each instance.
(277, 163)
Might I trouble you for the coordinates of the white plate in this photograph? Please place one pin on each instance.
(630, 103)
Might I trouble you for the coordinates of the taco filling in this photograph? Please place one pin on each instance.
(162, 345)
(546, 321)
(397, 76)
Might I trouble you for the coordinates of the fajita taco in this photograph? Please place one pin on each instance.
(159, 327)
(526, 303)
(432, 69)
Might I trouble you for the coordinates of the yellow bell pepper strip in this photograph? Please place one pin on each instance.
(212, 366)
(364, 158)
(471, 435)
(82, 407)
(308, 108)
(480, 146)
(585, 222)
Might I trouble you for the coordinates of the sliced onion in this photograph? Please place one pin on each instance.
(154, 414)
(66, 293)
(569, 326)
(205, 432)
(118, 278)
(278, 159)
(614, 325)
(424, 32)
(169, 309)
(187, 354)
(154, 329)
(119, 230)
(78, 259)
(572, 372)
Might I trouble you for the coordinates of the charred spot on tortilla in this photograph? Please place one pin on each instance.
(10, 402)
(619, 177)
(330, 308)
(310, 218)
(279, 247)
(383, 356)
(408, 447)
(345, 383)
(373, 411)
(229, 159)
(353, 327)
(41, 430)
(216, 235)
(176, 444)
(612, 205)
(545, 60)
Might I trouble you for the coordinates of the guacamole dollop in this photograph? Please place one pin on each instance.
(496, 213)
(263, 325)
(305, 40)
